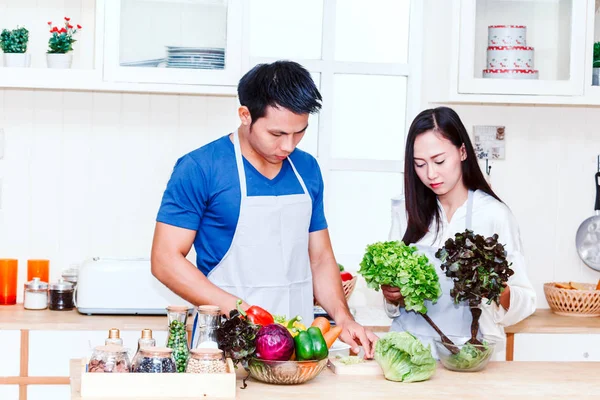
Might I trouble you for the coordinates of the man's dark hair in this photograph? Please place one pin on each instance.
(284, 84)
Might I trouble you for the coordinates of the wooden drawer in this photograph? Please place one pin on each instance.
(557, 347)
(10, 348)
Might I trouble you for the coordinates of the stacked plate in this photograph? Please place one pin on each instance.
(195, 57)
(144, 63)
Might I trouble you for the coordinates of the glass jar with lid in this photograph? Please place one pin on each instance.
(178, 339)
(206, 361)
(145, 341)
(61, 296)
(207, 322)
(35, 296)
(111, 358)
(154, 360)
(114, 337)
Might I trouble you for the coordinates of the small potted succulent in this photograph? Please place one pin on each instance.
(596, 65)
(14, 46)
(60, 45)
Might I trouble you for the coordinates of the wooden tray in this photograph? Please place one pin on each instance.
(178, 385)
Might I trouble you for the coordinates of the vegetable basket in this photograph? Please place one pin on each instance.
(573, 302)
(348, 286)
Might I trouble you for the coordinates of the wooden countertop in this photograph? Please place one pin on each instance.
(16, 317)
(501, 380)
(545, 321)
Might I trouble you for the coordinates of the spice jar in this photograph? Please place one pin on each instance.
(155, 360)
(110, 358)
(177, 339)
(61, 296)
(114, 337)
(71, 275)
(206, 361)
(35, 296)
(207, 322)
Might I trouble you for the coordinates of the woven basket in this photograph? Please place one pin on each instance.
(573, 302)
(348, 286)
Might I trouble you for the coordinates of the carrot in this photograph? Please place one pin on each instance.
(322, 323)
(332, 335)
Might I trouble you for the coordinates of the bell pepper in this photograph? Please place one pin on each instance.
(310, 345)
(256, 315)
(294, 326)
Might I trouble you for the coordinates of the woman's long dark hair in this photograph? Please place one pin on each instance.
(421, 202)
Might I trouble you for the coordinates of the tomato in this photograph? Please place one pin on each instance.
(346, 276)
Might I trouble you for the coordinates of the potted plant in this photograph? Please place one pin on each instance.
(14, 46)
(60, 45)
(596, 65)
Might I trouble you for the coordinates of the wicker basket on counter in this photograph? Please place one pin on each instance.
(348, 286)
(573, 302)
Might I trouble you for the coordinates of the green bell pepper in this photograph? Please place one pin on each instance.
(310, 345)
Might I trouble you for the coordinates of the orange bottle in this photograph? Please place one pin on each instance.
(38, 269)
(8, 281)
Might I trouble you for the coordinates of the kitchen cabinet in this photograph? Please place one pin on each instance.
(48, 392)
(557, 347)
(554, 29)
(10, 348)
(10, 392)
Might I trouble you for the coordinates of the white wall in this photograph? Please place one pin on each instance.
(83, 173)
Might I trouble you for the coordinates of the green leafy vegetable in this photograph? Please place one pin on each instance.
(280, 319)
(469, 358)
(351, 360)
(396, 264)
(403, 358)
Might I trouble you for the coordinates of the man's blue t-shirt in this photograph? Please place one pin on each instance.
(203, 194)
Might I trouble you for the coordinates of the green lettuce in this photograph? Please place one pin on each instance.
(403, 358)
(470, 357)
(396, 264)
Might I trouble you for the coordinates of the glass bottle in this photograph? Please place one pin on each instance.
(209, 319)
(61, 296)
(35, 296)
(114, 337)
(206, 361)
(398, 225)
(177, 339)
(145, 341)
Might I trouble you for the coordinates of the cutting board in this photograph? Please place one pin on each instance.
(369, 367)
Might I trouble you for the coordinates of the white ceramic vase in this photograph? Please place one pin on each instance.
(62, 61)
(17, 60)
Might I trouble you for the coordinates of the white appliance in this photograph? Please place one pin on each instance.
(122, 286)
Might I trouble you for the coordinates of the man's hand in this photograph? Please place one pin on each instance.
(392, 295)
(356, 335)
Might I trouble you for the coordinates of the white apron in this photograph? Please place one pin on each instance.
(452, 319)
(267, 263)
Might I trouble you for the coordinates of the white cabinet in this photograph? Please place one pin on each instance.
(555, 29)
(173, 41)
(10, 348)
(51, 351)
(556, 347)
(48, 392)
(9, 392)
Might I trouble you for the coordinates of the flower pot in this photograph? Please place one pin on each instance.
(17, 60)
(56, 60)
(596, 76)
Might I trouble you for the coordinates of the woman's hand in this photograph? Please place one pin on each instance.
(392, 295)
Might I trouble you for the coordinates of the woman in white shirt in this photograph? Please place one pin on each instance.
(445, 193)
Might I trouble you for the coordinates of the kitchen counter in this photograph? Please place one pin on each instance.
(500, 380)
(545, 321)
(16, 317)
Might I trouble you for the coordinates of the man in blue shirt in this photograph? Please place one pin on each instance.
(251, 203)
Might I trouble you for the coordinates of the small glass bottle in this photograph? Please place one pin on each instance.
(155, 360)
(114, 337)
(61, 296)
(35, 296)
(177, 339)
(209, 320)
(111, 359)
(145, 341)
(206, 361)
